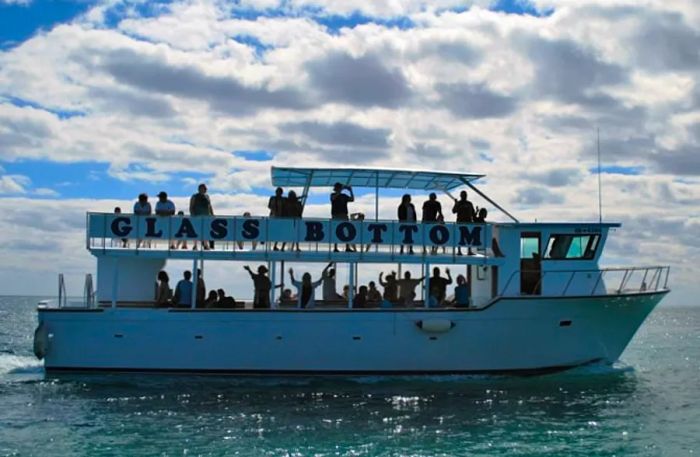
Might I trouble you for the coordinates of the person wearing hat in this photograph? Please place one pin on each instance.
(165, 207)
(262, 286)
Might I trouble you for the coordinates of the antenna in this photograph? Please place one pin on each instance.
(600, 192)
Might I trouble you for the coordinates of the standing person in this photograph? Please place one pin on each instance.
(276, 206)
(373, 294)
(183, 291)
(339, 206)
(254, 244)
(142, 208)
(329, 286)
(464, 210)
(438, 285)
(123, 241)
(165, 207)
(480, 217)
(201, 288)
(391, 287)
(262, 285)
(407, 213)
(432, 212)
(407, 288)
(182, 243)
(462, 292)
(164, 293)
(200, 205)
(306, 290)
(292, 209)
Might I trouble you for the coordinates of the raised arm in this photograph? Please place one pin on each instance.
(381, 279)
(247, 268)
(352, 195)
(291, 275)
(449, 276)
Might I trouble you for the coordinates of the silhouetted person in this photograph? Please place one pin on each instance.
(164, 206)
(462, 292)
(225, 301)
(438, 285)
(142, 208)
(464, 210)
(212, 300)
(339, 206)
(407, 288)
(407, 213)
(262, 286)
(276, 207)
(292, 209)
(201, 288)
(360, 299)
(373, 294)
(432, 209)
(183, 290)
(200, 205)
(306, 289)
(124, 241)
(391, 286)
(329, 285)
(163, 293)
(481, 216)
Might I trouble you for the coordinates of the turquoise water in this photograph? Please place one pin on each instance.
(649, 404)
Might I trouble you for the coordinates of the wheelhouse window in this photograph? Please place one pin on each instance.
(562, 247)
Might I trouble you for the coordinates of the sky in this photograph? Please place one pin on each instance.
(100, 101)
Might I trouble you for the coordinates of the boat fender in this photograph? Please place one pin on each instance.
(41, 341)
(435, 325)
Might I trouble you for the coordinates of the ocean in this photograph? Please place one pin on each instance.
(646, 405)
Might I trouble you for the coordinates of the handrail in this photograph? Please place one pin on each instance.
(653, 285)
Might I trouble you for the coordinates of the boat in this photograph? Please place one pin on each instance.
(538, 300)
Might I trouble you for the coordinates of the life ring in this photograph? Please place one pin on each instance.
(41, 341)
(435, 325)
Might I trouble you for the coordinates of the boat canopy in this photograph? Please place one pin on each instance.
(385, 178)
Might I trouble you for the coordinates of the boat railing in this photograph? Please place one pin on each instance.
(256, 235)
(614, 281)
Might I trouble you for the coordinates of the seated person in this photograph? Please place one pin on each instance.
(360, 299)
(461, 292)
(287, 297)
(211, 300)
(224, 301)
(373, 294)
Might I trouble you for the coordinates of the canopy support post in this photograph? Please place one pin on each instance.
(351, 289)
(485, 197)
(273, 279)
(195, 283)
(426, 285)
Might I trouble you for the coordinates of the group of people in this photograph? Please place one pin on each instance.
(400, 291)
(200, 205)
(291, 206)
(182, 295)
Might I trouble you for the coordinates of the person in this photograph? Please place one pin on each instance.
(224, 300)
(407, 213)
(201, 288)
(432, 209)
(359, 217)
(328, 278)
(407, 288)
(462, 292)
(163, 293)
(262, 286)
(165, 207)
(142, 208)
(438, 285)
(212, 300)
(200, 205)
(360, 299)
(124, 242)
(306, 290)
(391, 287)
(373, 294)
(480, 217)
(287, 296)
(464, 210)
(276, 205)
(339, 206)
(254, 244)
(181, 243)
(183, 291)
(292, 209)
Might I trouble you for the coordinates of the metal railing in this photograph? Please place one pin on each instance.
(632, 280)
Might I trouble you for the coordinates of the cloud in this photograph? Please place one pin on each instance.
(475, 101)
(13, 184)
(533, 196)
(361, 81)
(341, 134)
(222, 93)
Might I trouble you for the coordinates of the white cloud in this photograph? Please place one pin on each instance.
(13, 184)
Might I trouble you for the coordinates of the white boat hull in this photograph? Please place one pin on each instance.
(512, 335)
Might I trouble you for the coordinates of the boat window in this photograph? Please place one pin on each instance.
(529, 247)
(572, 247)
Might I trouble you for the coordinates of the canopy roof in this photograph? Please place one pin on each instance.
(370, 177)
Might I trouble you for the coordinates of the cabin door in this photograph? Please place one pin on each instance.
(530, 265)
